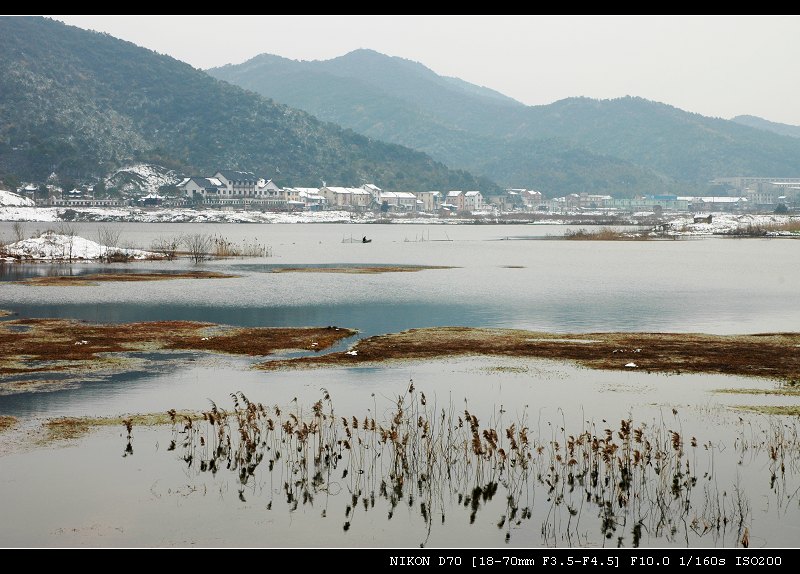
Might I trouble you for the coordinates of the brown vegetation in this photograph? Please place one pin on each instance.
(57, 344)
(769, 355)
(7, 422)
(781, 410)
(425, 458)
(786, 391)
(604, 234)
(358, 270)
(764, 229)
(66, 428)
(94, 278)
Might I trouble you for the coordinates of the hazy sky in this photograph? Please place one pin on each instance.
(713, 65)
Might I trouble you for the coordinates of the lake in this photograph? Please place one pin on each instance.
(511, 276)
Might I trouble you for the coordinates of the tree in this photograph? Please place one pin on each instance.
(11, 182)
(18, 229)
(42, 194)
(781, 208)
(198, 245)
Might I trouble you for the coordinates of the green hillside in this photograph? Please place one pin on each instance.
(622, 146)
(82, 103)
(762, 124)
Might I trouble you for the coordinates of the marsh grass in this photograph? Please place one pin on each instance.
(69, 428)
(783, 391)
(7, 422)
(54, 345)
(791, 226)
(359, 270)
(222, 247)
(764, 355)
(604, 234)
(784, 410)
(95, 278)
(629, 480)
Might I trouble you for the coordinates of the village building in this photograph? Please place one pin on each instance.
(429, 201)
(310, 197)
(454, 200)
(347, 197)
(473, 201)
(237, 183)
(196, 187)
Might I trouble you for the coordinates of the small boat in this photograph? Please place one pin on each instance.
(365, 240)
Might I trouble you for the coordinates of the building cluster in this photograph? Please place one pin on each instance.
(244, 190)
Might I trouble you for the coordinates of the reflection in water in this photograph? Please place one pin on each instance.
(396, 482)
(369, 319)
(630, 484)
(10, 272)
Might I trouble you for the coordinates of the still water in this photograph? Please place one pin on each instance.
(711, 285)
(499, 276)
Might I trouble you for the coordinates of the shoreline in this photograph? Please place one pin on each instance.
(769, 355)
(667, 226)
(41, 347)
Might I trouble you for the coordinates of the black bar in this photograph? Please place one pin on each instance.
(543, 559)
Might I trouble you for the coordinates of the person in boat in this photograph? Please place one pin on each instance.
(364, 239)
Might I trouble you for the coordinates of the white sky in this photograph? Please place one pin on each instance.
(713, 65)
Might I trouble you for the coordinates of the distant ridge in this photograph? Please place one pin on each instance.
(621, 147)
(762, 124)
(82, 104)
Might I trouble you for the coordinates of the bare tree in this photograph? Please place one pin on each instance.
(198, 245)
(19, 230)
(68, 230)
(108, 238)
(168, 246)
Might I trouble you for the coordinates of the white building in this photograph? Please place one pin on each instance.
(431, 201)
(237, 183)
(336, 196)
(473, 201)
(346, 197)
(454, 200)
(200, 187)
(360, 198)
(311, 197)
(373, 190)
(397, 200)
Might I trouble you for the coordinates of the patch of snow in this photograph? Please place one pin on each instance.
(142, 177)
(354, 353)
(11, 199)
(54, 246)
(28, 214)
(723, 223)
(631, 365)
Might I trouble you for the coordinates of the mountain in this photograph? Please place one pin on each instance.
(83, 104)
(762, 124)
(619, 146)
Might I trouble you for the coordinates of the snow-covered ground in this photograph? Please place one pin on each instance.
(8, 198)
(142, 177)
(54, 246)
(722, 223)
(725, 223)
(186, 215)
